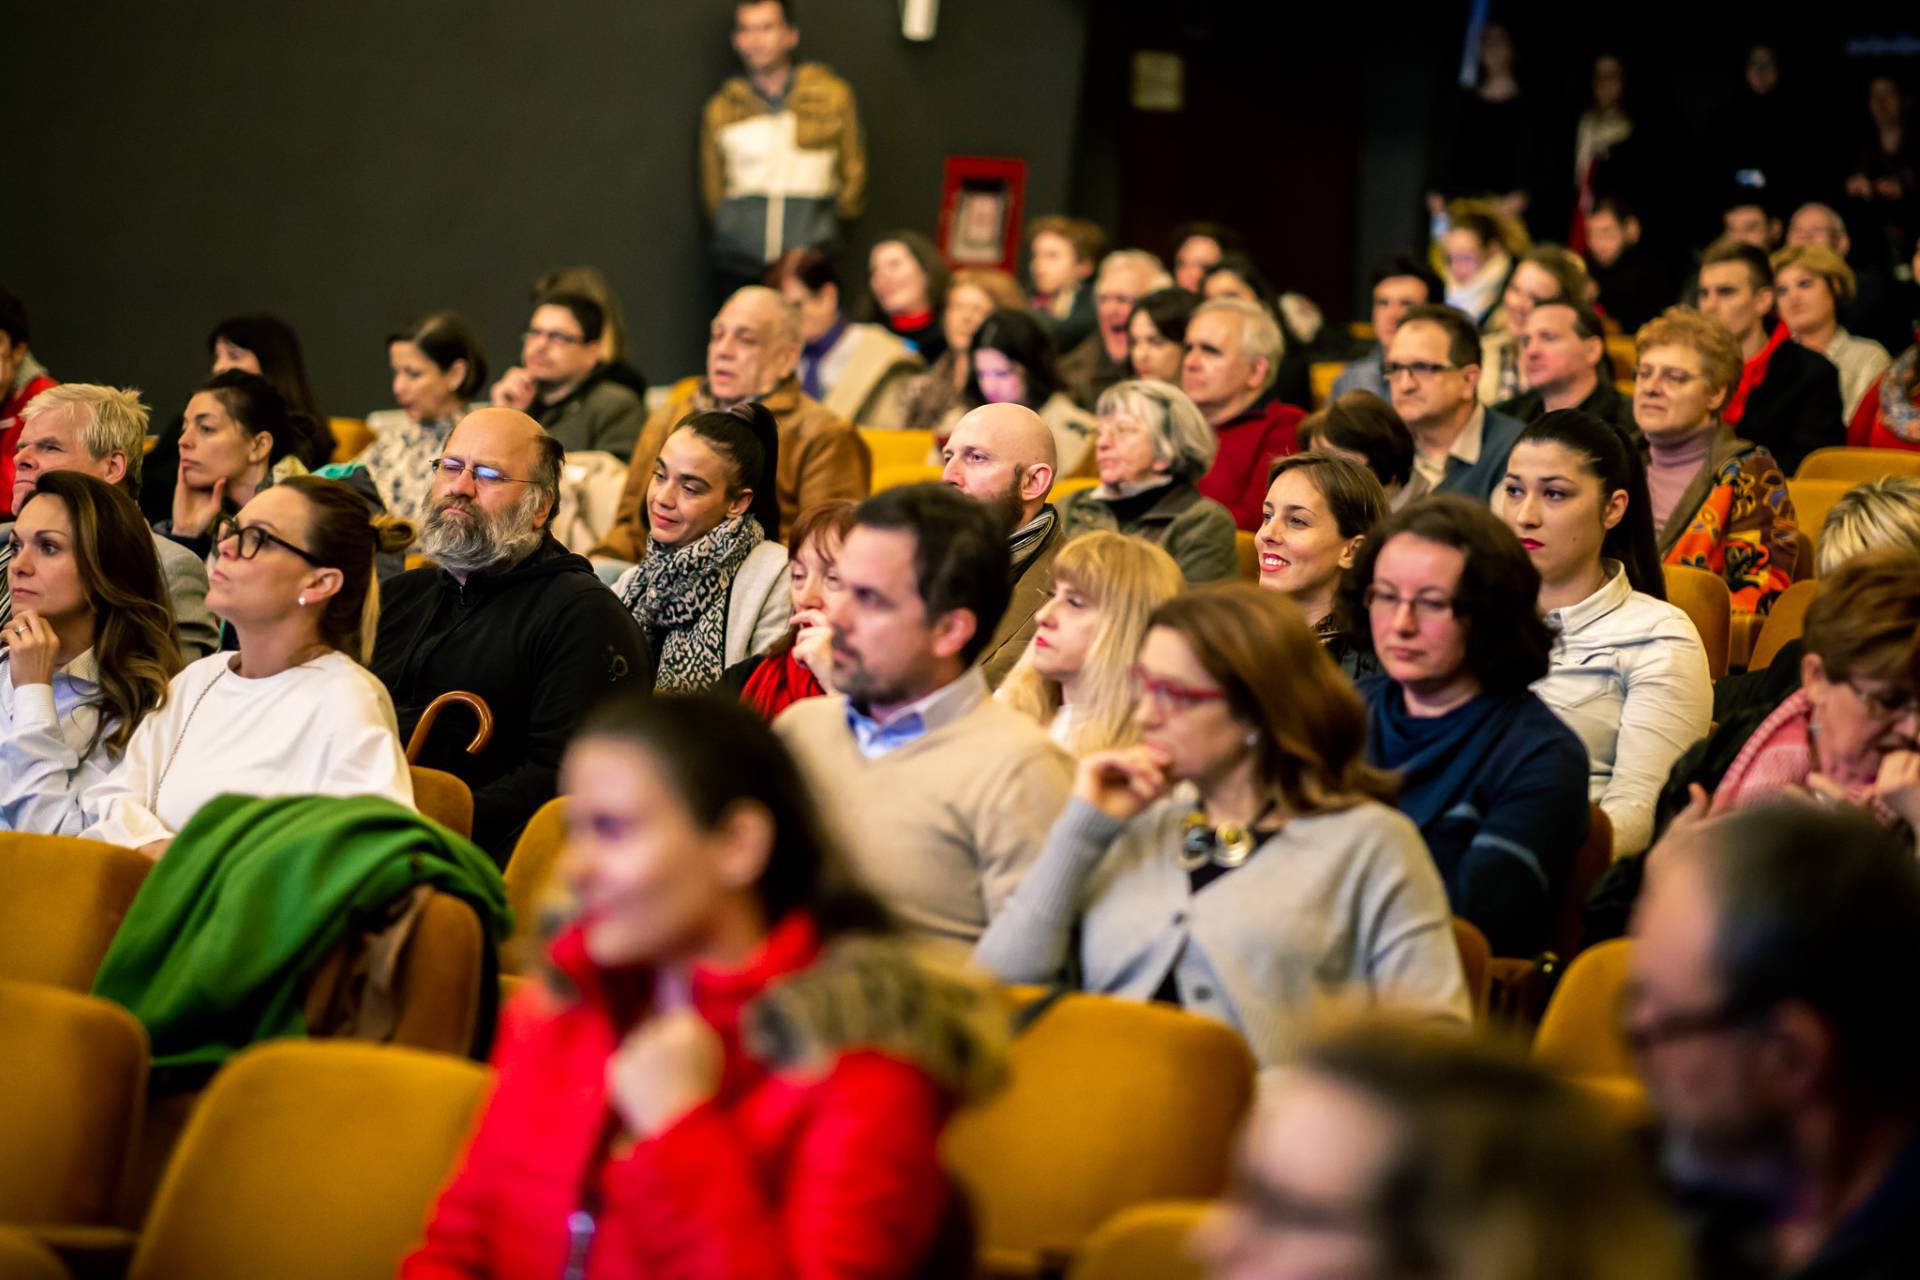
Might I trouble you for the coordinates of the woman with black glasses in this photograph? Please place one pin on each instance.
(293, 712)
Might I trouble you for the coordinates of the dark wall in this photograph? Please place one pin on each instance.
(351, 164)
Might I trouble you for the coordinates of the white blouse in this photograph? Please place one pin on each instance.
(45, 732)
(1629, 676)
(325, 727)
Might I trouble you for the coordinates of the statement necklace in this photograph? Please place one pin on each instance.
(1227, 845)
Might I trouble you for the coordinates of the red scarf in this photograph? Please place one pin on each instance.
(1753, 375)
(777, 683)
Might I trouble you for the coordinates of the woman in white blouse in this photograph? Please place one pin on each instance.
(293, 712)
(89, 649)
(1629, 673)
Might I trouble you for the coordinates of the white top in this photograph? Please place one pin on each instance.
(1629, 677)
(1861, 362)
(44, 733)
(325, 727)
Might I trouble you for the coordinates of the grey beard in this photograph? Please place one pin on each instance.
(481, 542)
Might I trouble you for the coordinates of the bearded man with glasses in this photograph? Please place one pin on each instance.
(505, 612)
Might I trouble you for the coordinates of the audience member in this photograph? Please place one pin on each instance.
(507, 613)
(267, 347)
(1237, 275)
(615, 361)
(1750, 220)
(1545, 273)
(1233, 355)
(1316, 517)
(935, 397)
(562, 382)
(300, 716)
(1198, 248)
(752, 350)
(1392, 1150)
(1492, 147)
(1398, 286)
(1885, 180)
(1719, 502)
(1061, 255)
(1249, 771)
(800, 663)
(1126, 278)
(1460, 445)
(907, 290)
(1813, 283)
(1077, 675)
(1628, 672)
(438, 369)
(100, 431)
(1632, 285)
(1496, 783)
(711, 589)
(1157, 334)
(1153, 448)
(1361, 427)
(940, 795)
(1877, 309)
(1476, 265)
(859, 372)
(1001, 456)
(1564, 355)
(765, 189)
(1751, 142)
(1609, 153)
(1889, 416)
(1767, 953)
(1788, 399)
(22, 377)
(235, 442)
(1850, 733)
(721, 971)
(89, 651)
(1013, 363)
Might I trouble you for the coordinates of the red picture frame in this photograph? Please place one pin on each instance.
(982, 200)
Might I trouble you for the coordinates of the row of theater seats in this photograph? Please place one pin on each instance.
(1111, 1105)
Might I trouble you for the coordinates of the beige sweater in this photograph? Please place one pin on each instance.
(943, 827)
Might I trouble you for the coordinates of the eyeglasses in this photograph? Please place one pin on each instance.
(1671, 379)
(250, 538)
(1420, 369)
(556, 337)
(1651, 1033)
(454, 468)
(1170, 696)
(1387, 601)
(1887, 706)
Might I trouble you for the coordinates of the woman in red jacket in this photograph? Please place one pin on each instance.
(746, 1077)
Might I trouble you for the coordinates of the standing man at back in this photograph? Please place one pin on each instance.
(782, 162)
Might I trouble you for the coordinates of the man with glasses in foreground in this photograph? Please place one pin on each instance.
(1769, 1011)
(1433, 371)
(505, 612)
(562, 381)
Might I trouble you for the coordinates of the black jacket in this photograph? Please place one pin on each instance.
(1635, 289)
(542, 642)
(1604, 402)
(1796, 409)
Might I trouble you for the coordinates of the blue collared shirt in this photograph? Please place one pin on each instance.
(876, 738)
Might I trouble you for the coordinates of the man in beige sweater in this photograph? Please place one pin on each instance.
(940, 795)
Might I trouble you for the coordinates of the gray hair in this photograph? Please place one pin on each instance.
(1880, 515)
(110, 420)
(1259, 332)
(1139, 259)
(1180, 434)
(789, 315)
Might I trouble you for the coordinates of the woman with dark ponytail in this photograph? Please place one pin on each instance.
(1628, 673)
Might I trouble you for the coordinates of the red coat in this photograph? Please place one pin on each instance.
(777, 1176)
(10, 429)
(1248, 446)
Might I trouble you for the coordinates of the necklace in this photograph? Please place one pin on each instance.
(1227, 845)
(153, 800)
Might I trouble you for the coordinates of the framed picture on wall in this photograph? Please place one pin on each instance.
(981, 202)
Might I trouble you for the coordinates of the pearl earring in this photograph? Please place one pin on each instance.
(1253, 738)
(303, 602)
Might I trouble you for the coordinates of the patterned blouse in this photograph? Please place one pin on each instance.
(1744, 531)
(401, 456)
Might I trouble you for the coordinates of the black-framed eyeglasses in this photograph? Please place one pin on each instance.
(1420, 369)
(1886, 706)
(454, 468)
(250, 538)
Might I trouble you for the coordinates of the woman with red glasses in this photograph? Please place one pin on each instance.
(1242, 861)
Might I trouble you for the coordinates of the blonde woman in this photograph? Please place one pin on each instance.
(1810, 284)
(1076, 675)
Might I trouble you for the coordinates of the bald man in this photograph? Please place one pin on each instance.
(505, 612)
(1003, 456)
(753, 349)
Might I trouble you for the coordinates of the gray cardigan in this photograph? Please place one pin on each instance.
(1333, 907)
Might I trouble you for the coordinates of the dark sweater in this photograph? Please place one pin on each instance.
(1796, 408)
(1499, 790)
(542, 642)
